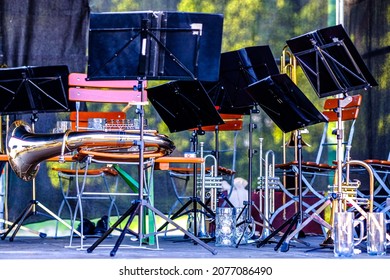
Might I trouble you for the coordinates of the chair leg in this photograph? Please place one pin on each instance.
(112, 198)
(65, 199)
(79, 207)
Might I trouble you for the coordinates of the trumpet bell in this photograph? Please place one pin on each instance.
(293, 141)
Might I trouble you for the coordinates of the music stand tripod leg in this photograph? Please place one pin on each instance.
(313, 217)
(298, 217)
(249, 203)
(275, 232)
(178, 213)
(194, 200)
(177, 226)
(129, 213)
(132, 213)
(294, 222)
(225, 200)
(247, 221)
(18, 222)
(28, 211)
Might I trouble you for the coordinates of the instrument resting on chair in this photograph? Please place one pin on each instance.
(26, 149)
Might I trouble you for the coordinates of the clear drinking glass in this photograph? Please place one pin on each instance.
(225, 226)
(96, 123)
(62, 126)
(376, 234)
(343, 230)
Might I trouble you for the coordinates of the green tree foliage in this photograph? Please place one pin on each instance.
(247, 23)
(213, 6)
(264, 22)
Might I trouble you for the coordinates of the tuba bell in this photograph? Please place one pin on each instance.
(26, 150)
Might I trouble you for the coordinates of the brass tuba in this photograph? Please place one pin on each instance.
(26, 150)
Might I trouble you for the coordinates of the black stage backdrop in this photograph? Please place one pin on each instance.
(368, 22)
(41, 33)
(52, 32)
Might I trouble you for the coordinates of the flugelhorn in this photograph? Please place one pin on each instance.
(26, 150)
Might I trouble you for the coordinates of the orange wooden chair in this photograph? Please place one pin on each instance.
(82, 90)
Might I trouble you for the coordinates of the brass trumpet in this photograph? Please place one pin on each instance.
(267, 183)
(26, 150)
(210, 184)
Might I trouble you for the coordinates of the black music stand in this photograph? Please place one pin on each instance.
(331, 62)
(156, 45)
(152, 46)
(33, 89)
(185, 105)
(238, 70)
(333, 66)
(290, 109)
(285, 103)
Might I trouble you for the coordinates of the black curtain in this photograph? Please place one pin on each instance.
(44, 32)
(367, 22)
(41, 33)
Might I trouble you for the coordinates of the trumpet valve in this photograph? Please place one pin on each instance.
(271, 183)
